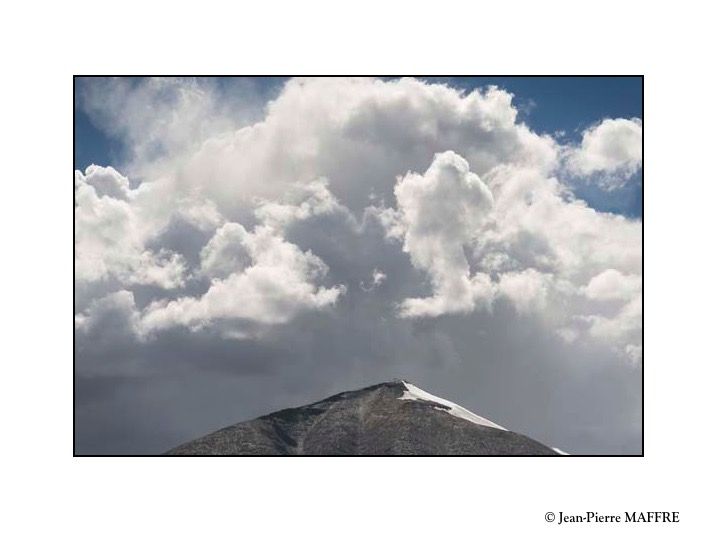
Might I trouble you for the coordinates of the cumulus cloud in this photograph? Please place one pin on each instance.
(611, 284)
(278, 282)
(226, 252)
(106, 181)
(110, 236)
(467, 190)
(359, 134)
(439, 213)
(315, 200)
(551, 247)
(256, 278)
(612, 150)
(517, 235)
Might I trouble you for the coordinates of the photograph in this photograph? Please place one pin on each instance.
(395, 265)
(359, 271)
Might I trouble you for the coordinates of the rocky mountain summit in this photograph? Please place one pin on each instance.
(392, 418)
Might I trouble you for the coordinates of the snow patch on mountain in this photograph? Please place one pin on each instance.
(414, 393)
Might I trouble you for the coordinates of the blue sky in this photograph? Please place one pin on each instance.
(549, 104)
(560, 106)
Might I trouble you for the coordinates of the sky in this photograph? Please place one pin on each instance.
(245, 245)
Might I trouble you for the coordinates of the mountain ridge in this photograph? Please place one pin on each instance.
(388, 418)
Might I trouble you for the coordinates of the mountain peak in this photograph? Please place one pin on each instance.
(389, 418)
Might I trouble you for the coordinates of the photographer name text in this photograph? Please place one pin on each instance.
(626, 517)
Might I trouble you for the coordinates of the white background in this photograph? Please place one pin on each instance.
(49, 494)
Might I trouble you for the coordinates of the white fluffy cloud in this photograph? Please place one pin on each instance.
(470, 193)
(612, 149)
(439, 213)
(516, 234)
(226, 252)
(111, 237)
(611, 284)
(315, 199)
(276, 285)
(256, 278)
(359, 134)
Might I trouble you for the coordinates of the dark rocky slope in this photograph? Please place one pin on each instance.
(392, 418)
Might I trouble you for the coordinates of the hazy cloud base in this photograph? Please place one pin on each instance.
(251, 256)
